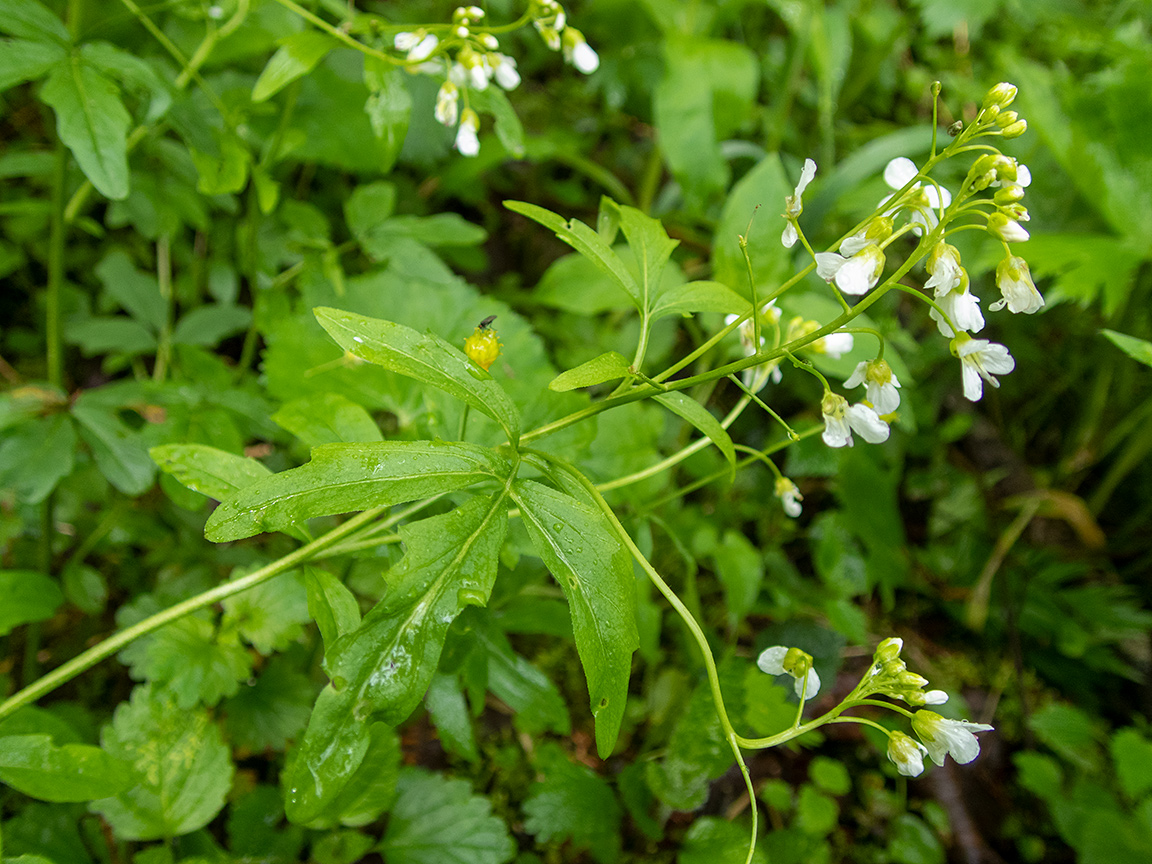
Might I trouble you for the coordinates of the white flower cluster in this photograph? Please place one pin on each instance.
(471, 59)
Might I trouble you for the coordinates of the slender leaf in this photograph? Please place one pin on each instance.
(333, 747)
(30, 19)
(295, 58)
(35, 766)
(585, 241)
(137, 292)
(651, 246)
(120, 453)
(1139, 350)
(331, 604)
(699, 297)
(37, 455)
(93, 122)
(208, 470)
(594, 570)
(610, 366)
(689, 409)
(119, 334)
(446, 705)
(207, 325)
(449, 564)
(327, 418)
(426, 358)
(342, 478)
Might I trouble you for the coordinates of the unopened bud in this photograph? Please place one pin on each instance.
(1001, 95)
(1009, 194)
(1015, 130)
(1006, 118)
(889, 649)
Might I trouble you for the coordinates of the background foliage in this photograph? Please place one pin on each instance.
(167, 232)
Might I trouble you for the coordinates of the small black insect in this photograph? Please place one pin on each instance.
(487, 322)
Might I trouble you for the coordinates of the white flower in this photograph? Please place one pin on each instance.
(504, 68)
(943, 737)
(790, 497)
(756, 377)
(840, 420)
(856, 275)
(963, 307)
(907, 754)
(882, 384)
(447, 104)
(923, 201)
(980, 359)
(780, 660)
(1016, 286)
(834, 345)
(794, 205)
(944, 269)
(578, 52)
(419, 45)
(466, 141)
(935, 697)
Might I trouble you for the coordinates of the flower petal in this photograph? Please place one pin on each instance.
(899, 171)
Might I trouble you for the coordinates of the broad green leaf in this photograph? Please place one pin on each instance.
(689, 409)
(137, 292)
(296, 57)
(331, 604)
(30, 19)
(651, 247)
(445, 703)
(816, 813)
(208, 470)
(764, 186)
(183, 771)
(369, 205)
(425, 357)
(449, 564)
(207, 325)
(572, 803)
(22, 60)
(324, 761)
(1132, 756)
(270, 615)
(536, 704)
(131, 70)
(389, 108)
(699, 297)
(610, 366)
(223, 166)
(73, 772)
(93, 122)
(594, 570)
(120, 453)
(28, 596)
(342, 478)
(342, 847)
(35, 456)
(585, 241)
(439, 229)
(576, 284)
(712, 840)
(509, 129)
(120, 335)
(327, 418)
(439, 821)
(371, 788)
(254, 829)
(1139, 350)
(740, 567)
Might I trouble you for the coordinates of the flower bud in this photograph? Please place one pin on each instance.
(991, 112)
(890, 648)
(1016, 129)
(1006, 118)
(1001, 95)
(1009, 194)
(906, 754)
(482, 347)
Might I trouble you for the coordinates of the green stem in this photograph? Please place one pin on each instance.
(82, 662)
(164, 279)
(57, 233)
(336, 33)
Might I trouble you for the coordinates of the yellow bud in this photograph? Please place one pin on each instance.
(1015, 130)
(1006, 118)
(482, 347)
(1001, 95)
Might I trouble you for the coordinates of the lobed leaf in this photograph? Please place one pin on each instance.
(594, 570)
(426, 358)
(342, 478)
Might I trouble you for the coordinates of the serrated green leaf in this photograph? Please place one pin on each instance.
(689, 409)
(93, 123)
(699, 297)
(207, 325)
(188, 658)
(594, 570)
(270, 615)
(23, 60)
(651, 247)
(33, 765)
(208, 470)
(267, 713)
(182, 766)
(449, 564)
(120, 453)
(439, 821)
(1139, 350)
(296, 57)
(342, 478)
(327, 418)
(573, 803)
(30, 19)
(426, 358)
(28, 596)
(342, 847)
(610, 366)
(331, 604)
(37, 455)
(585, 241)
